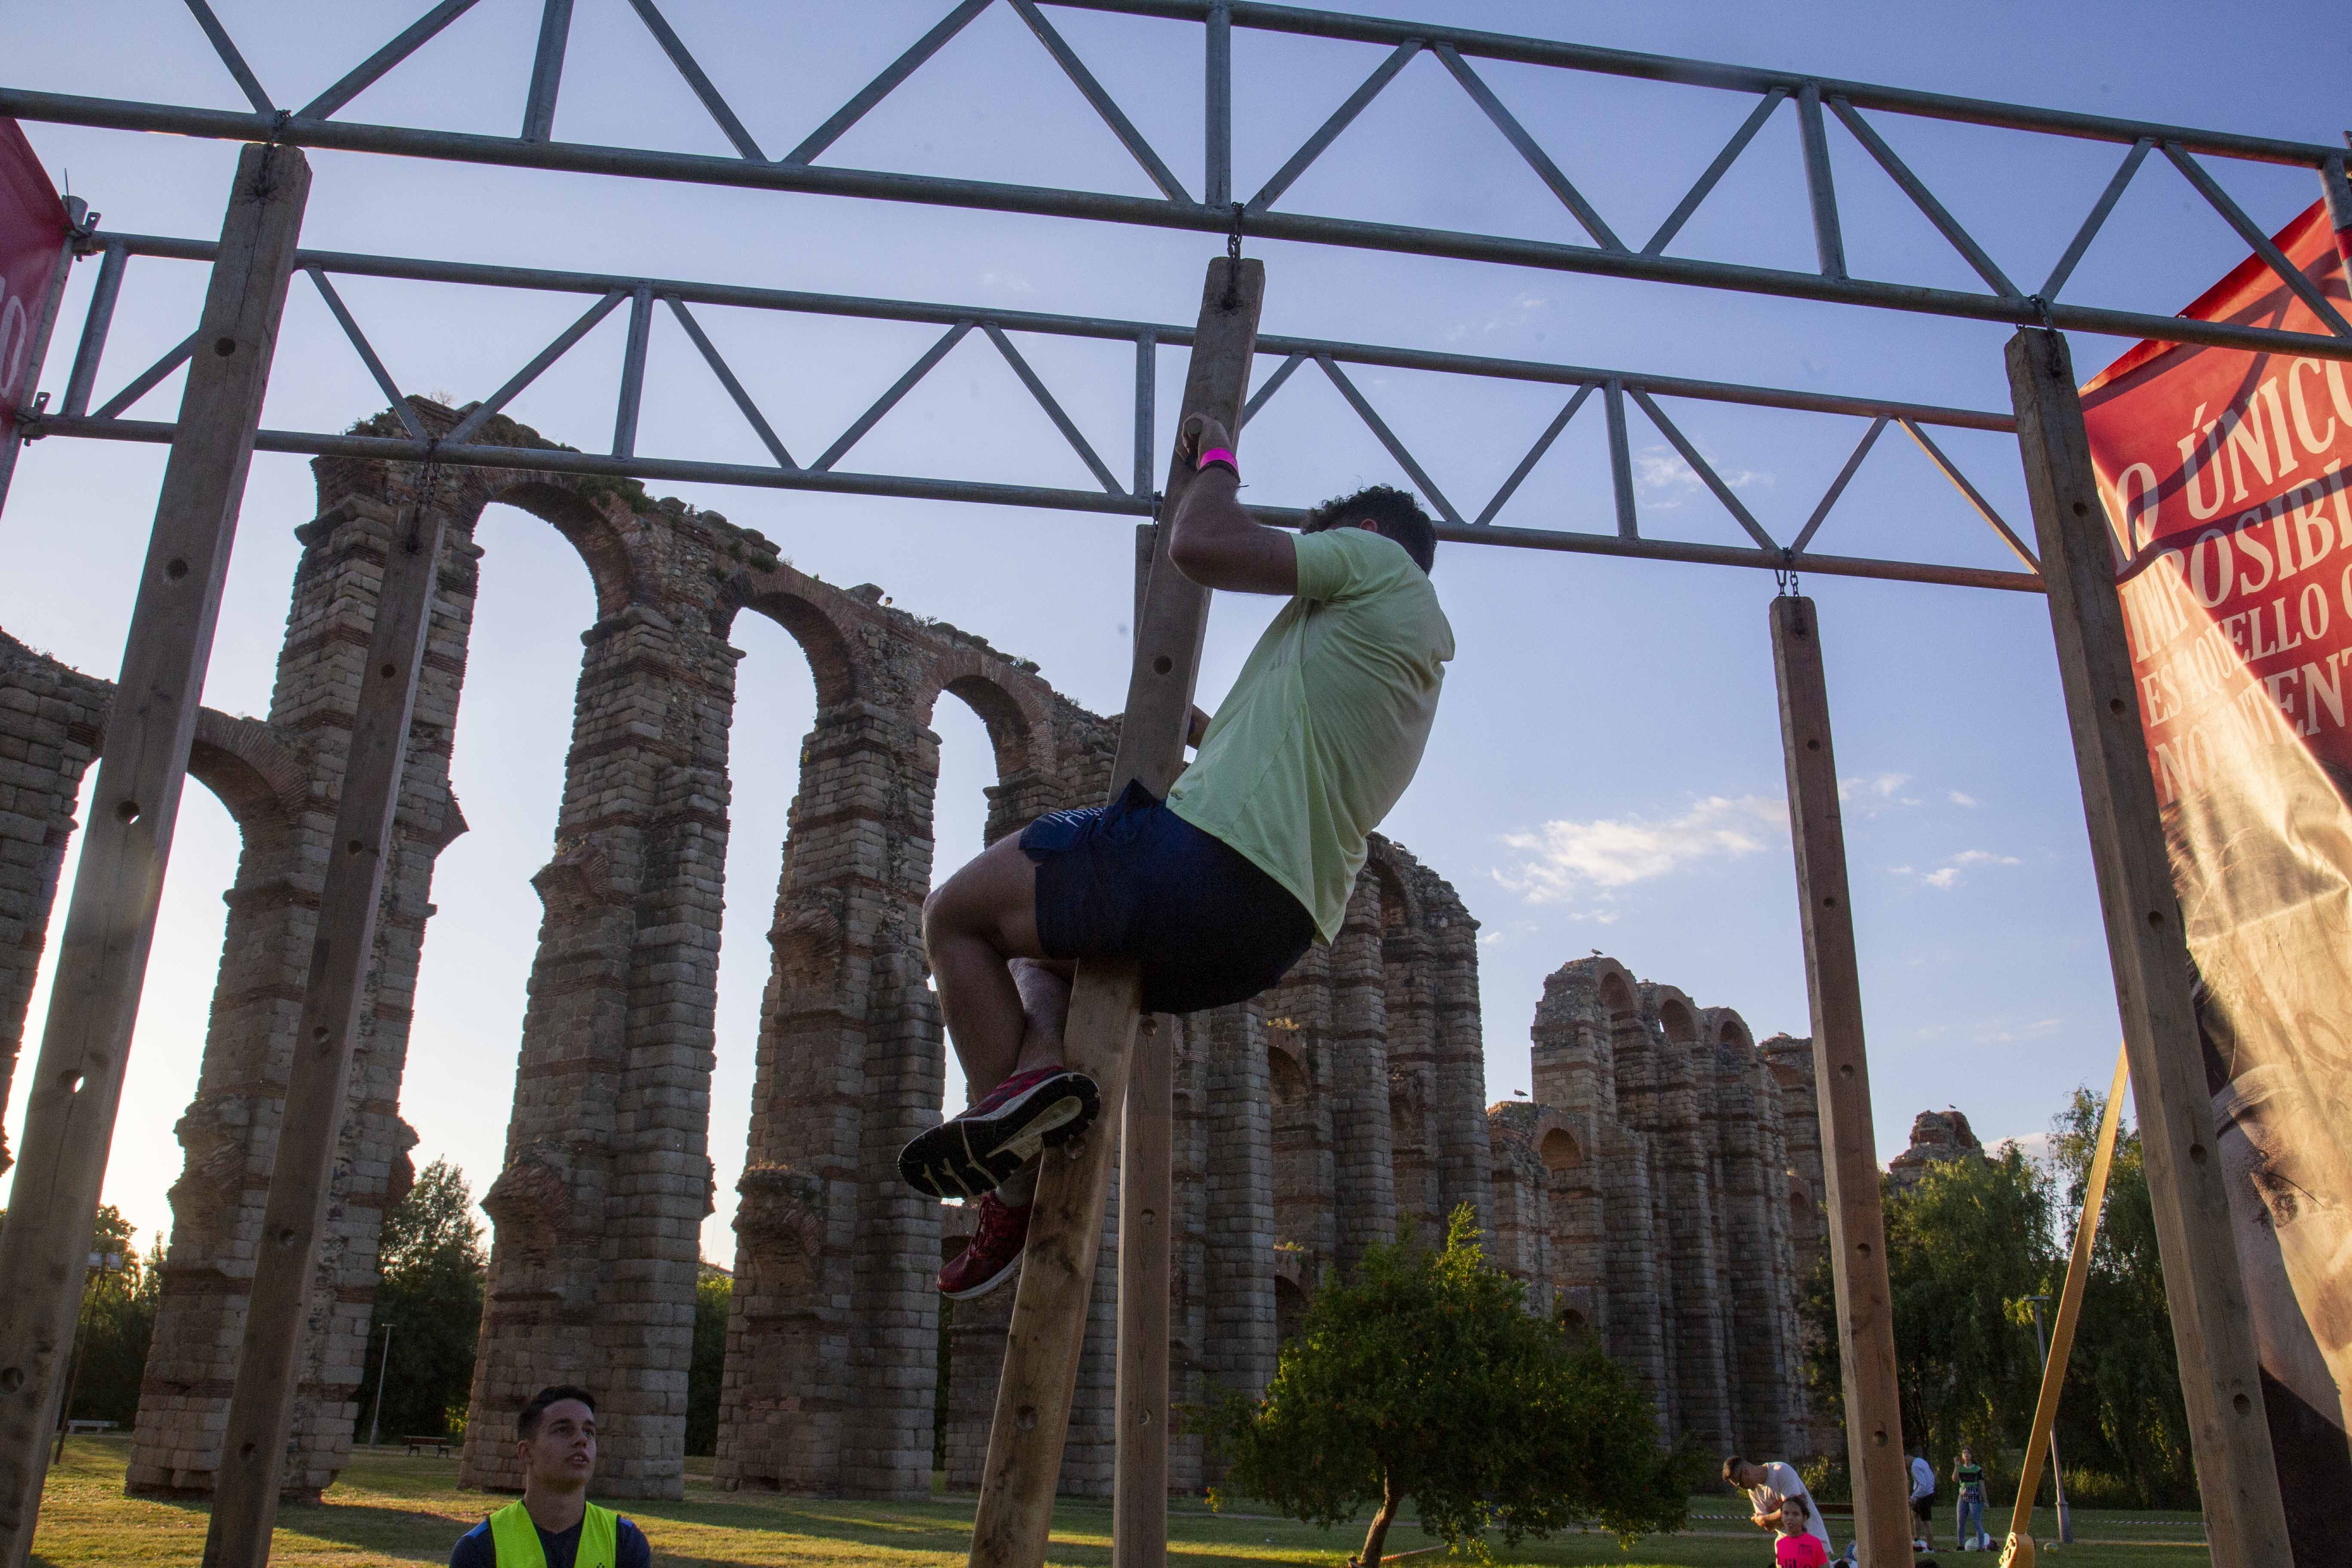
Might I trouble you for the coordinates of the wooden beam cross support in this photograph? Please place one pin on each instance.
(1049, 1311)
(2212, 1331)
(133, 805)
(1866, 1305)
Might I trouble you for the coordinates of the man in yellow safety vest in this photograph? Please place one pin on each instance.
(554, 1525)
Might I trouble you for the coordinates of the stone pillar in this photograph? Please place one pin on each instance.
(49, 717)
(1463, 1168)
(1410, 1012)
(1298, 1064)
(1752, 1298)
(1363, 1191)
(230, 1129)
(1238, 1344)
(850, 1066)
(1637, 1326)
(1686, 1144)
(607, 1178)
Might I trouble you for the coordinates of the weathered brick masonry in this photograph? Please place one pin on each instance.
(1663, 1188)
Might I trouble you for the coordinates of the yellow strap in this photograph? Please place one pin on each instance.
(2018, 1552)
(515, 1539)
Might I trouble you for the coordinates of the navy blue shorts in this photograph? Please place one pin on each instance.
(1135, 880)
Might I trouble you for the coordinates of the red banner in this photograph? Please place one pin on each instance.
(32, 248)
(2227, 481)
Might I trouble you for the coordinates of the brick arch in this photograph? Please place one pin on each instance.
(585, 518)
(1382, 858)
(1020, 723)
(832, 663)
(1725, 1027)
(261, 780)
(1675, 1015)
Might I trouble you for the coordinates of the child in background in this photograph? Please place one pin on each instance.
(1798, 1547)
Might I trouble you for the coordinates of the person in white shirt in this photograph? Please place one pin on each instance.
(1767, 1486)
(1923, 1501)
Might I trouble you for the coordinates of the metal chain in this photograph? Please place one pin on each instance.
(1784, 575)
(1234, 260)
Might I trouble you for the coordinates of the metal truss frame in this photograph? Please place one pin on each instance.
(1133, 496)
(1816, 100)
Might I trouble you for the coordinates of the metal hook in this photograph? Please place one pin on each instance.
(1233, 260)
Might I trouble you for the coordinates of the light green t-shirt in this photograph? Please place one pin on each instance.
(1324, 729)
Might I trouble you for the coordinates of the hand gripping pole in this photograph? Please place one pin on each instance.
(1049, 1311)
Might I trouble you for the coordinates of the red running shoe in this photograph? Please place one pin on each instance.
(990, 1141)
(994, 1252)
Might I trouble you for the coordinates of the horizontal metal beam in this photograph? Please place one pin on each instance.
(1155, 213)
(547, 460)
(1710, 73)
(347, 264)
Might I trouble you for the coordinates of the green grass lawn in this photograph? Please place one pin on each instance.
(391, 1509)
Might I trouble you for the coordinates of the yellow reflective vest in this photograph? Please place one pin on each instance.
(515, 1539)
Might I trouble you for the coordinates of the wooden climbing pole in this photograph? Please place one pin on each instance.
(1049, 1311)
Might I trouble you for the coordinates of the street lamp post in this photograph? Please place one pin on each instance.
(383, 1370)
(2057, 1482)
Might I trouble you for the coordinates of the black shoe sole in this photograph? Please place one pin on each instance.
(970, 1155)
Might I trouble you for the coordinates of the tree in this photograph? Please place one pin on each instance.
(1426, 1376)
(714, 1294)
(2121, 1413)
(430, 1297)
(116, 1324)
(1966, 1243)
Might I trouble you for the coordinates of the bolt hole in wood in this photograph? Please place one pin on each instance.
(2197, 1154)
(320, 1032)
(355, 847)
(2155, 919)
(223, 346)
(12, 1378)
(175, 569)
(1829, 903)
(1027, 1419)
(70, 1081)
(1162, 665)
(2240, 1403)
(1812, 745)
(390, 670)
(127, 813)
(2115, 706)
(286, 1237)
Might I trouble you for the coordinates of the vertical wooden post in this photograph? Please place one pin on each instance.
(2211, 1330)
(1049, 1309)
(1139, 1530)
(269, 1364)
(132, 808)
(1865, 1308)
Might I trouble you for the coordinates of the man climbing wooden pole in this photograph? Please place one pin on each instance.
(1185, 892)
(1049, 1314)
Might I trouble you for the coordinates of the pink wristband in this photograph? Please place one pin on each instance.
(1218, 455)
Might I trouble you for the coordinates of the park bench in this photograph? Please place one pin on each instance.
(440, 1446)
(88, 1429)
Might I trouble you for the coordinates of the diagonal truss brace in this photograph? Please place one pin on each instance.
(1062, 421)
(2092, 224)
(473, 422)
(2252, 233)
(1924, 199)
(368, 72)
(1702, 468)
(367, 354)
(882, 86)
(1387, 438)
(720, 368)
(1341, 118)
(1535, 455)
(889, 400)
(1714, 173)
(1104, 104)
(226, 50)
(1837, 486)
(1537, 158)
(1951, 471)
(704, 88)
(149, 379)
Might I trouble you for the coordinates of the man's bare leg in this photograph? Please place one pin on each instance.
(972, 924)
(1045, 1005)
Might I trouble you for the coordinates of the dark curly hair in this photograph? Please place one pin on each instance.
(527, 1422)
(1392, 513)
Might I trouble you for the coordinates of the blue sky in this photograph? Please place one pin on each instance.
(1606, 771)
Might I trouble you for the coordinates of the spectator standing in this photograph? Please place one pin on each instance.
(1923, 1501)
(1769, 1487)
(1969, 1476)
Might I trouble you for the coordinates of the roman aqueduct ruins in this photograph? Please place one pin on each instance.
(1662, 1188)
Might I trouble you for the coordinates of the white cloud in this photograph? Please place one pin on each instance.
(1948, 874)
(1562, 858)
(1869, 787)
(2035, 1146)
(1666, 481)
(2032, 1029)
(1492, 939)
(1959, 797)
